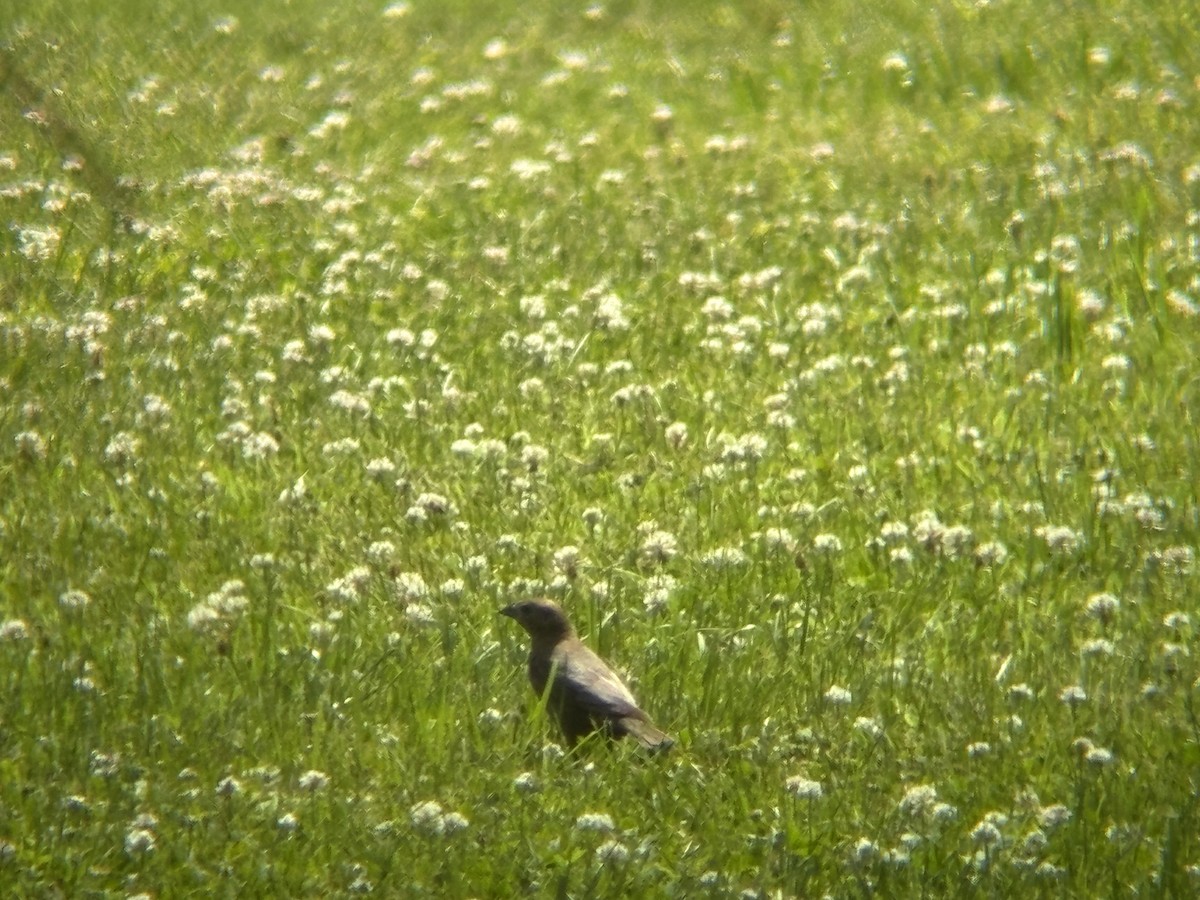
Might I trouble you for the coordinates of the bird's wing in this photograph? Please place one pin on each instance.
(584, 678)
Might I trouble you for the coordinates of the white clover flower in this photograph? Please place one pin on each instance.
(803, 788)
(230, 599)
(400, 337)
(1181, 304)
(893, 532)
(139, 841)
(203, 618)
(381, 552)
(507, 125)
(228, 786)
(1020, 691)
(294, 352)
(1048, 871)
(532, 388)
(870, 726)
(724, 558)
(322, 633)
(313, 780)
(427, 817)
(346, 446)
(350, 402)
(677, 435)
(658, 547)
(1176, 621)
(38, 244)
(928, 531)
(918, 800)
(746, 448)
(1150, 518)
(827, 544)
(260, 445)
(956, 540)
(344, 590)
(1073, 695)
(287, 822)
(1103, 606)
(864, 851)
(986, 833)
(533, 456)
(1059, 538)
(838, 696)
(497, 255)
(321, 335)
(526, 783)
(717, 308)
(380, 469)
(595, 822)
(14, 630)
(31, 445)
(612, 851)
(74, 599)
(993, 553)
(658, 592)
(1117, 363)
(943, 812)
(436, 505)
(103, 765)
(295, 493)
(1173, 560)
(122, 449)
(779, 539)
(419, 614)
(1053, 816)
(567, 559)
(410, 586)
(1034, 843)
(1098, 647)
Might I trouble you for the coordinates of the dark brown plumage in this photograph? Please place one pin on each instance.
(585, 694)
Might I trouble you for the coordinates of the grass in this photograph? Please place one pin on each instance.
(834, 367)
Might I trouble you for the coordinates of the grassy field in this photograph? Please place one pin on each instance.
(835, 365)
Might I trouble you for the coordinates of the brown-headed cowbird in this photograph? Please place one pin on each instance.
(585, 695)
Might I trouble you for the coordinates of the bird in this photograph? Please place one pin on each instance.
(585, 695)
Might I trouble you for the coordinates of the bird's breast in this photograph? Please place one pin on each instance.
(539, 670)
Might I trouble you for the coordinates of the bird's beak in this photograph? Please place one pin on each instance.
(510, 611)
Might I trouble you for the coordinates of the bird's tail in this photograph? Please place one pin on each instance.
(646, 734)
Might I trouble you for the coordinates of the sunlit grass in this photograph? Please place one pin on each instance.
(836, 372)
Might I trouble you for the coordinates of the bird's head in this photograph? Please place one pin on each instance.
(543, 619)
